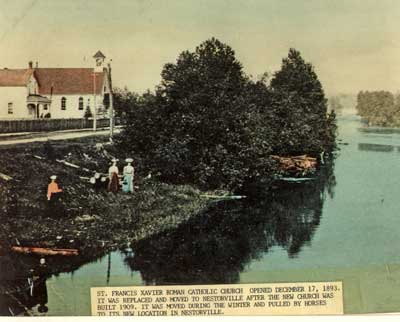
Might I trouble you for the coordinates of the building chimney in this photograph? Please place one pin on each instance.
(31, 64)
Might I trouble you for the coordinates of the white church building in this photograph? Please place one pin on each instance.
(37, 92)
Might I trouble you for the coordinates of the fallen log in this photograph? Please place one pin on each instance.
(5, 177)
(45, 251)
(68, 164)
(223, 197)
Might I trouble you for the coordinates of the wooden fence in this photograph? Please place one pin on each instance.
(43, 125)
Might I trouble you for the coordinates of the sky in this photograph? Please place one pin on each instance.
(353, 44)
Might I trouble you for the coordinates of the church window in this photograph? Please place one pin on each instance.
(80, 103)
(10, 108)
(63, 103)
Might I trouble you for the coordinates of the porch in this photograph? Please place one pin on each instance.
(38, 106)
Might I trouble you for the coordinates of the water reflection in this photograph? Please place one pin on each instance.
(23, 289)
(379, 130)
(375, 147)
(215, 247)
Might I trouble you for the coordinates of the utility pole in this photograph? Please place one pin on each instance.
(94, 102)
(111, 103)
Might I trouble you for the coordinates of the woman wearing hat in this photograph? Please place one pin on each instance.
(129, 173)
(113, 171)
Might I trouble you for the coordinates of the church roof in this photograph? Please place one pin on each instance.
(15, 77)
(66, 81)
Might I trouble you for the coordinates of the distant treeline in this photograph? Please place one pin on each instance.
(341, 102)
(379, 108)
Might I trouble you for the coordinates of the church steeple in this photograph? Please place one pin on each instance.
(99, 58)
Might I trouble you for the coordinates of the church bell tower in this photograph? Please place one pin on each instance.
(99, 58)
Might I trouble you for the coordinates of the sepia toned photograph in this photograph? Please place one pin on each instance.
(199, 158)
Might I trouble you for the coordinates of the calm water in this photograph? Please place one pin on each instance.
(343, 226)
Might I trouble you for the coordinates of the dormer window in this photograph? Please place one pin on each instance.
(63, 103)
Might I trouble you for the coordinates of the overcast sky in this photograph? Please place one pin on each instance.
(353, 44)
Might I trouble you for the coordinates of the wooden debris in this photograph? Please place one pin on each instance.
(5, 177)
(45, 251)
(223, 197)
(68, 164)
(298, 163)
(38, 157)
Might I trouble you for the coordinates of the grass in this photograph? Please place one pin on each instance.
(84, 218)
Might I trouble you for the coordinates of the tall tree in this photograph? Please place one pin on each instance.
(209, 128)
(300, 108)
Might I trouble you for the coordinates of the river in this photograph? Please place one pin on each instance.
(342, 226)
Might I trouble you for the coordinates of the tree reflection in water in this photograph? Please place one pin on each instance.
(23, 289)
(216, 246)
(212, 248)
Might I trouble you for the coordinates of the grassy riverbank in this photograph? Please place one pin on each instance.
(84, 218)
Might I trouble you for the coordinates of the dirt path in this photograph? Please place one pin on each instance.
(13, 139)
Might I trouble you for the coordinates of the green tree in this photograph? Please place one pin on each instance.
(202, 125)
(209, 124)
(378, 108)
(124, 100)
(300, 109)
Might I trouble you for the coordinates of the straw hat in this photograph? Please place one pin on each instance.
(53, 177)
(114, 160)
(129, 160)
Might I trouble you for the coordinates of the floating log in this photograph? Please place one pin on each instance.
(45, 251)
(5, 177)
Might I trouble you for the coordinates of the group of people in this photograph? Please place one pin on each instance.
(128, 174)
(112, 182)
